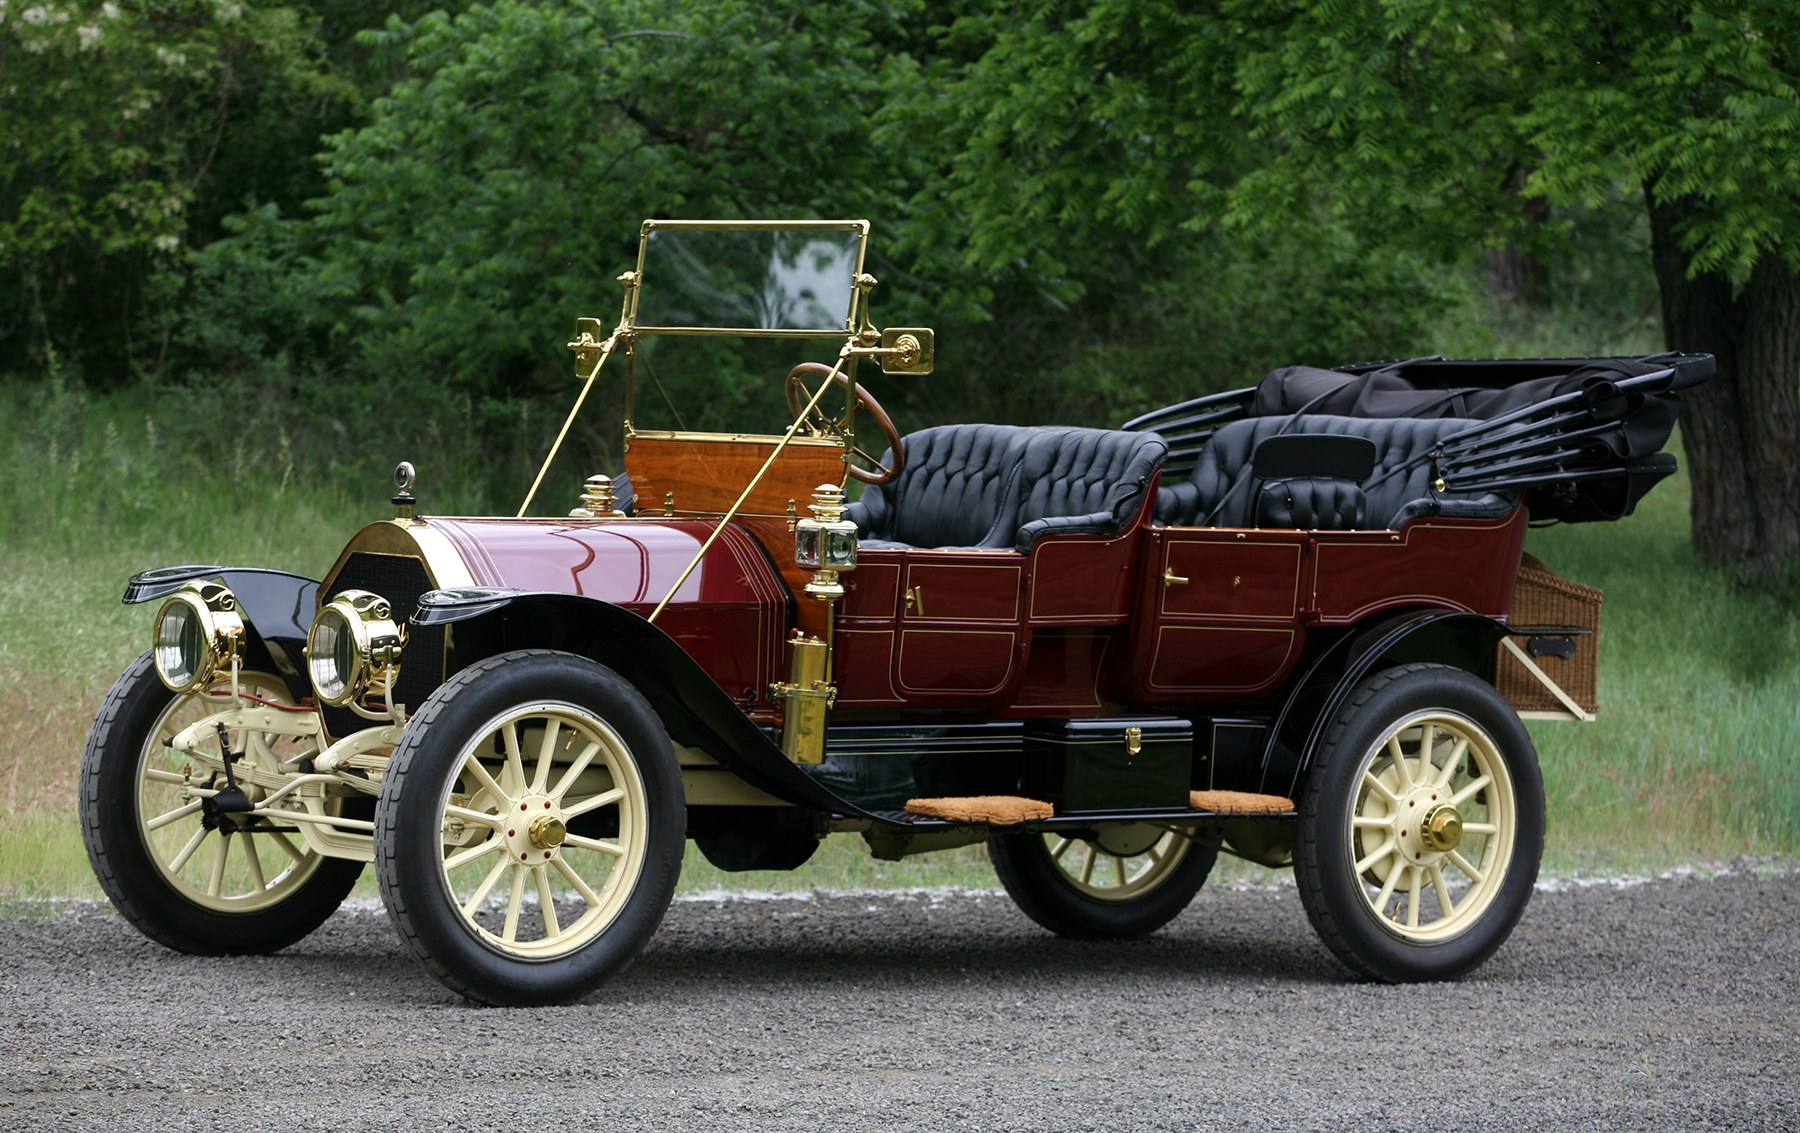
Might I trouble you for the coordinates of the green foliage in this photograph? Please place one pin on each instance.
(492, 195)
(1066, 133)
(1697, 103)
(1418, 116)
(496, 190)
(1132, 201)
(131, 130)
(1217, 315)
(116, 117)
(1402, 116)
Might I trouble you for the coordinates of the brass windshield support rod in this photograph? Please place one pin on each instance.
(731, 512)
(581, 345)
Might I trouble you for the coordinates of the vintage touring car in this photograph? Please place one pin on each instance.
(1288, 622)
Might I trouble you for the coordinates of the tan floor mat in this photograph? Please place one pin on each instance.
(990, 810)
(1239, 802)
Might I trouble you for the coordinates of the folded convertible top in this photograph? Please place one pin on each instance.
(1585, 433)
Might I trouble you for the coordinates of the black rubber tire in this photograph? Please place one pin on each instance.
(1324, 862)
(1043, 892)
(112, 829)
(409, 827)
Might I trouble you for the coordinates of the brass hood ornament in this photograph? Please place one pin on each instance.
(403, 499)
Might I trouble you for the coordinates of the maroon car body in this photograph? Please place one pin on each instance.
(1270, 622)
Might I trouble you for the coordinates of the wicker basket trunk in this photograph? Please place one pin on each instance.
(1543, 598)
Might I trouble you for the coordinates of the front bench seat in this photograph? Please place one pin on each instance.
(1221, 492)
(957, 489)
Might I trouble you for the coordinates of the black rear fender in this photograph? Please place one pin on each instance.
(1462, 640)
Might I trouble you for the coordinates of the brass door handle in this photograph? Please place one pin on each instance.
(915, 600)
(1170, 578)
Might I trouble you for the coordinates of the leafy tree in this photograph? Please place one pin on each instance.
(1693, 103)
(1409, 126)
(131, 129)
(497, 189)
(1699, 104)
(117, 115)
(1067, 179)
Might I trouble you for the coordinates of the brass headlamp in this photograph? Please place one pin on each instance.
(197, 632)
(353, 647)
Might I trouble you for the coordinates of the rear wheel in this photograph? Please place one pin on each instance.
(184, 874)
(1422, 824)
(530, 828)
(1123, 880)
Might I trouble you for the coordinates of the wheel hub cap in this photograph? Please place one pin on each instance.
(1442, 829)
(1428, 824)
(546, 831)
(535, 829)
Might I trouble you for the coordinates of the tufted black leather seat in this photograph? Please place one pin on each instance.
(1311, 504)
(957, 489)
(1222, 492)
(1000, 486)
(1083, 480)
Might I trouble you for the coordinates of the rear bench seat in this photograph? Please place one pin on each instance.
(1223, 489)
(998, 487)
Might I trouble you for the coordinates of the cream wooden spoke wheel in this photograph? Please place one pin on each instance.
(529, 884)
(530, 828)
(225, 862)
(1422, 825)
(1118, 865)
(1432, 825)
(1122, 880)
(184, 871)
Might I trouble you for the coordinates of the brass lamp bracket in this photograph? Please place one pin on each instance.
(589, 346)
(903, 350)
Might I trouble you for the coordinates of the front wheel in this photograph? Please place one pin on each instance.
(1421, 826)
(185, 873)
(530, 828)
(1121, 881)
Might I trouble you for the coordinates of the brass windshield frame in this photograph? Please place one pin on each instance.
(853, 318)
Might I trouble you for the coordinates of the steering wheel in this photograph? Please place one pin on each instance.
(798, 394)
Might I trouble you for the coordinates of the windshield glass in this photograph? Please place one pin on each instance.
(788, 279)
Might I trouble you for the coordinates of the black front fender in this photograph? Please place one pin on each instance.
(694, 709)
(277, 608)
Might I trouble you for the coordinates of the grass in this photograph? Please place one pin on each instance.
(1693, 756)
(1691, 760)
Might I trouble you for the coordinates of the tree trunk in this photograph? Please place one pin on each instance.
(1516, 276)
(1742, 428)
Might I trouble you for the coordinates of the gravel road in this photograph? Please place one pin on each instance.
(1669, 1005)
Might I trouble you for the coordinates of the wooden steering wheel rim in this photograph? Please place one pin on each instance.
(880, 474)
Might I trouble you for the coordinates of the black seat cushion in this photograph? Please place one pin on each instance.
(1311, 503)
(1083, 480)
(1222, 491)
(957, 489)
(1001, 486)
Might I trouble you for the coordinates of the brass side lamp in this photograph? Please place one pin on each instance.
(825, 544)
